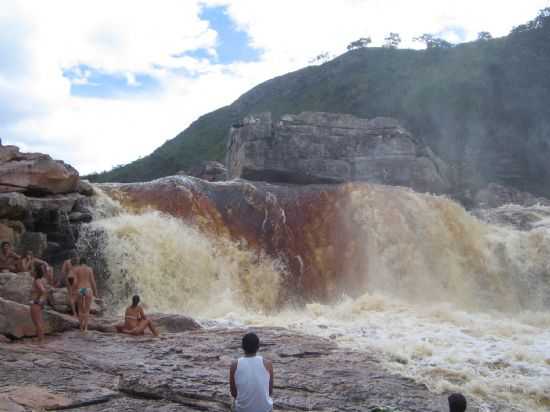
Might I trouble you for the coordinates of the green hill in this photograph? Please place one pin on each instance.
(484, 107)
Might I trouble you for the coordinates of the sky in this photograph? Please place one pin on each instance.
(101, 83)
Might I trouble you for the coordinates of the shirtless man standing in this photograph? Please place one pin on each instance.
(8, 258)
(70, 280)
(86, 287)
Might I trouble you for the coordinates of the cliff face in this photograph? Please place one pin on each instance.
(315, 147)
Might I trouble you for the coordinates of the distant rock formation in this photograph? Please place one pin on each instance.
(314, 147)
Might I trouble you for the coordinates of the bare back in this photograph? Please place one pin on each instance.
(85, 279)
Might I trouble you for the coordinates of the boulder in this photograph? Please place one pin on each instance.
(35, 241)
(85, 188)
(16, 287)
(16, 323)
(13, 206)
(174, 323)
(63, 204)
(211, 171)
(17, 226)
(34, 173)
(15, 320)
(316, 147)
(7, 234)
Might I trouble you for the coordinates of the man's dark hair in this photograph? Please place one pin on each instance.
(135, 300)
(251, 343)
(39, 270)
(4, 243)
(457, 403)
(83, 261)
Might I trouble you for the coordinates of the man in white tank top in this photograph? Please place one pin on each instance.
(251, 379)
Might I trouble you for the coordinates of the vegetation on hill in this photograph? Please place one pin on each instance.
(483, 106)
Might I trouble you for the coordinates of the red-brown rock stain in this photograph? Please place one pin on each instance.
(309, 228)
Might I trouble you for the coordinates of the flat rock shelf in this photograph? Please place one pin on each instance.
(189, 372)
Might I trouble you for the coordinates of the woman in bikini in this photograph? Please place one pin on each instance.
(38, 300)
(135, 321)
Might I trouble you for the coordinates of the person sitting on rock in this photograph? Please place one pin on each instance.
(29, 261)
(135, 321)
(8, 258)
(70, 280)
(38, 300)
(457, 403)
(87, 289)
(251, 379)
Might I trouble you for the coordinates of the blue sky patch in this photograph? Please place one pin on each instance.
(233, 44)
(89, 82)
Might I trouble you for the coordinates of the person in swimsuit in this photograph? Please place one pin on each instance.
(135, 321)
(86, 287)
(70, 280)
(8, 258)
(251, 379)
(29, 262)
(38, 300)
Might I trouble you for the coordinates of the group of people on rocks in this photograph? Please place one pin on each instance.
(80, 282)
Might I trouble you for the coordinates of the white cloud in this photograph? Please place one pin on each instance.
(39, 39)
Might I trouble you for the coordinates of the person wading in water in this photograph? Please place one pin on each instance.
(135, 321)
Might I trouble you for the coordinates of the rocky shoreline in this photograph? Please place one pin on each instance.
(188, 371)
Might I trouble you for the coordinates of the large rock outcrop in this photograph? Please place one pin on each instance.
(316, 147)
(35, 173)
(43, 202)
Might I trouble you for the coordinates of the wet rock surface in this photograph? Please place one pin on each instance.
(189, 371)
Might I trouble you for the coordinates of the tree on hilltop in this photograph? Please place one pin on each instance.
(359, 43)
(540, 22)
(321, 58)
(484, 35)
(433, 42)
(392, 41)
